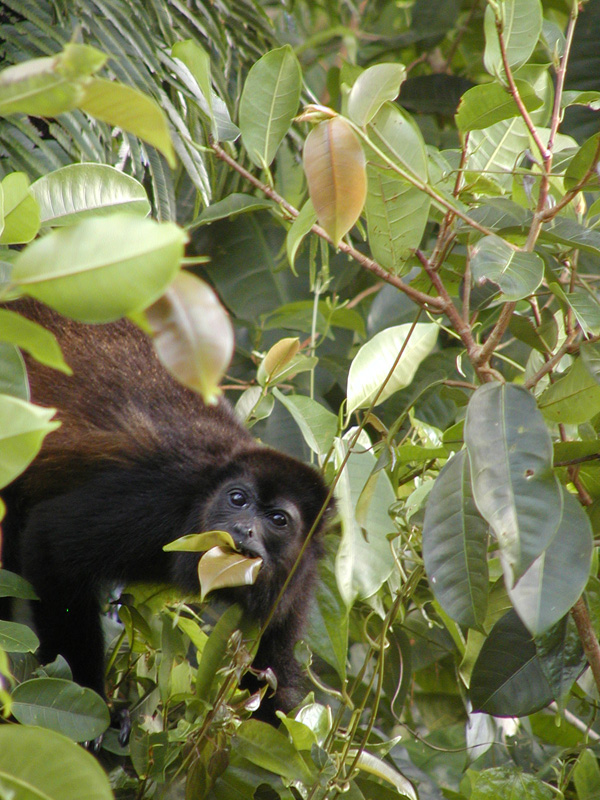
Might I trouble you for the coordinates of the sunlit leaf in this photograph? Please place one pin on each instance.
(200, 542)
(488, 103)
(317, 424)
(521, 25)
(193, 335)
(334, 163)
(372, 88)
(131, 110)
(101, 268)
(76, 191)
(270, 749)
(373, 362)
(23, 429)
(46, 87)
(32, 337)
(21, 212)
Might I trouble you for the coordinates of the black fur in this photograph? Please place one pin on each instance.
(139, 461)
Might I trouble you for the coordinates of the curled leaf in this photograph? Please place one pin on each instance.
(220, 569)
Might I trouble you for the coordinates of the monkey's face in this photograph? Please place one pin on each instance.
(268, 528)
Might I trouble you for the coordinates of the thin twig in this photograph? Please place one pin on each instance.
(591, 648)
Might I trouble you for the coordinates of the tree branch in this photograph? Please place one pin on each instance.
(588, 638)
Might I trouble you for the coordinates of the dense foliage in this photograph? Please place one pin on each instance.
(400, 202)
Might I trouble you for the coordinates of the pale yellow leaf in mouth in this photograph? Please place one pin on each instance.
(221, 568)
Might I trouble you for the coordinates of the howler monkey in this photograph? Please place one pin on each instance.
(139, 461)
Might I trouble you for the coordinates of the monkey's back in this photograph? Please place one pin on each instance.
(120, 403)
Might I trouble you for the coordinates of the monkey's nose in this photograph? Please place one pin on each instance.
(242, 529)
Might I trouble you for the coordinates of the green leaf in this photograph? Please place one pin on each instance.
(13, 585)
(516, 273)
(21, 212)
(362, 562)
(101, 269)
(571, 234)
(299, 229)
(193, 334)
(72, 193)
(574, 398)
(372, 89)
(268, 748)
(587, 311)
(504, 783)
(515, 490)
(488, 103)
(397, 136)
(13, 373)
(556, 579)
(215, 651)
(334, 164)
(327, 631)
(494, 152)
(269, 103)
(230, 207)
(46, 87)
(37, 763)
(586, 776)
(507, 678)
(396, 217)
(131, 110)
(197, 60)
(562, 658)
(373, 362)
(200, 542)
(455, 539)
(62, 706)
(32, 337)
(521, 25)
(585, 161)
(24, 427)
(317, 424)
(17, 638)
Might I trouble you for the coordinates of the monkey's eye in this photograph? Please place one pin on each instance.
(237, 498)
(278, 518)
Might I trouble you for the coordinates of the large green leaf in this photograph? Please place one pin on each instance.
(17, 638)
(507, 678)
(574, 398)
(269, 103)
(521, 24)
(556, 579)
(327, 632)
(455, 539)
(37, 763)
(373, 362)
(517, 274)
(63, 706)
(504, 783)
(13, 585)
(77, 191)
(272, 750)
(510, 451)
(101, 269)
(494, 152)
(488, 103)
